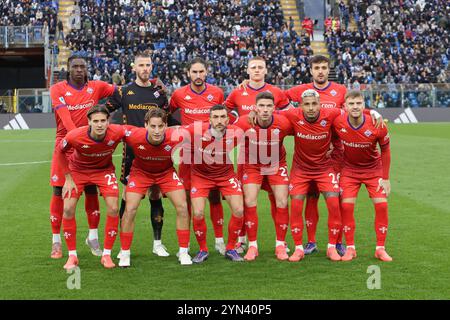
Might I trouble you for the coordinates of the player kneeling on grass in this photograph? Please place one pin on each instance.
(91, 164)
(153, 147)
(363, 164)
(213, 169)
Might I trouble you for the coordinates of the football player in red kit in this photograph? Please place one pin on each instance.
(194, 102)
(331, 96)
(90, 163)
(242, 101)
(153, 147)
(212, 169)
(71, 99)
(264, 161)
(363, 164)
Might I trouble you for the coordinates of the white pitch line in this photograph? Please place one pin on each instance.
(34, 162)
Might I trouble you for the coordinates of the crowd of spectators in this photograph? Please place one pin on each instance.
(411, 44)
(30, 13)
(226, 33)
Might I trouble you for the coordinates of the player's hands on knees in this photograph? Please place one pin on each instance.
(386, 185)
(69, 185)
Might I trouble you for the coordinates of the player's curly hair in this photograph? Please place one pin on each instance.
(98, 109)
(73, 57)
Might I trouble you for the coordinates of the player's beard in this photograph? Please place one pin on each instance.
(198, 82)
(144, 78)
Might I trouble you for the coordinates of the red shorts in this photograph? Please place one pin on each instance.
(57, 177)
(303, 183)
(105, 180)
(350, 186)
(184, 172)
(253, 175)
(140, 181)
(228, 186)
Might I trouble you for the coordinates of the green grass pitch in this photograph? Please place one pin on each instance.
(418, 239)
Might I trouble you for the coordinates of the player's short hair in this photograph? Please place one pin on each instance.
(310, 93)
(73, 57)
(217, 107)
(265, 95)
(197, 60)
(354, 94)
(97, 109)
(318, 59)
(143, 54)
(257, 58)
(155, 113)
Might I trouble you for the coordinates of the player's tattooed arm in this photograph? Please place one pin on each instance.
(114, 102)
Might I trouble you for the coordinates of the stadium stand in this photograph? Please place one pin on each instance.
(227, 33)
(412, 45)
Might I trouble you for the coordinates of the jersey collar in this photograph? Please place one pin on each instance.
(257, 89)
(155, 145)
(315, 88)
(358, 127)
(199, 93)
(96, 141)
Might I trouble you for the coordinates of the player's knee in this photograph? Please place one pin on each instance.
(282, 203)
(113, 209)
(250, 202)
(57, 191)
(199, 214)
(182, 210)
(239, 212)
(69, 211)
(91, 189)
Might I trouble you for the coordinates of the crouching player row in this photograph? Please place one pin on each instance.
(91, 163)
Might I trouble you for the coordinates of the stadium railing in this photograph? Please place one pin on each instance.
(431, 95)
(22, 36)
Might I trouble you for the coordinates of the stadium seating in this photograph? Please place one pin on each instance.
(412, 45)
(226, 33)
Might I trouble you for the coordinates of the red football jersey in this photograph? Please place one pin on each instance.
(78, 101)
(90, 154)
(210, 156)
(312, 140)
(149, 157)
(244, 100)
(263, 147)
(333, 96)
(361, 153)
(195, 106)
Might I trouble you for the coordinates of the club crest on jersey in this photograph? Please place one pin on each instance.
(291, 187)
(90, 90)
(193, 190)
(210, 97)
(245, 176)
(368, 133)
(333, 92)
(276, 131)
(323, 123)
(111, 142)
(188, 97)
(127, 133)
(167, 148)
(55, 178)
(156, 94)
(64, 143)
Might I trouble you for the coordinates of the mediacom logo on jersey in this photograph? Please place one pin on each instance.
(85, 105)
(310, 136)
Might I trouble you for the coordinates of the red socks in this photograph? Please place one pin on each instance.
(234, 228)
(273, 207)
(200, 232)
(282, 223)
(56, 213)
(126, 238)
(334, 219)
(216, 213)
(92, 208)
(183, 238)
(297, 221)
(381, 222)
(70, 233)
(312, 217)
(111, 229)
(251, 223)
(348, 222)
